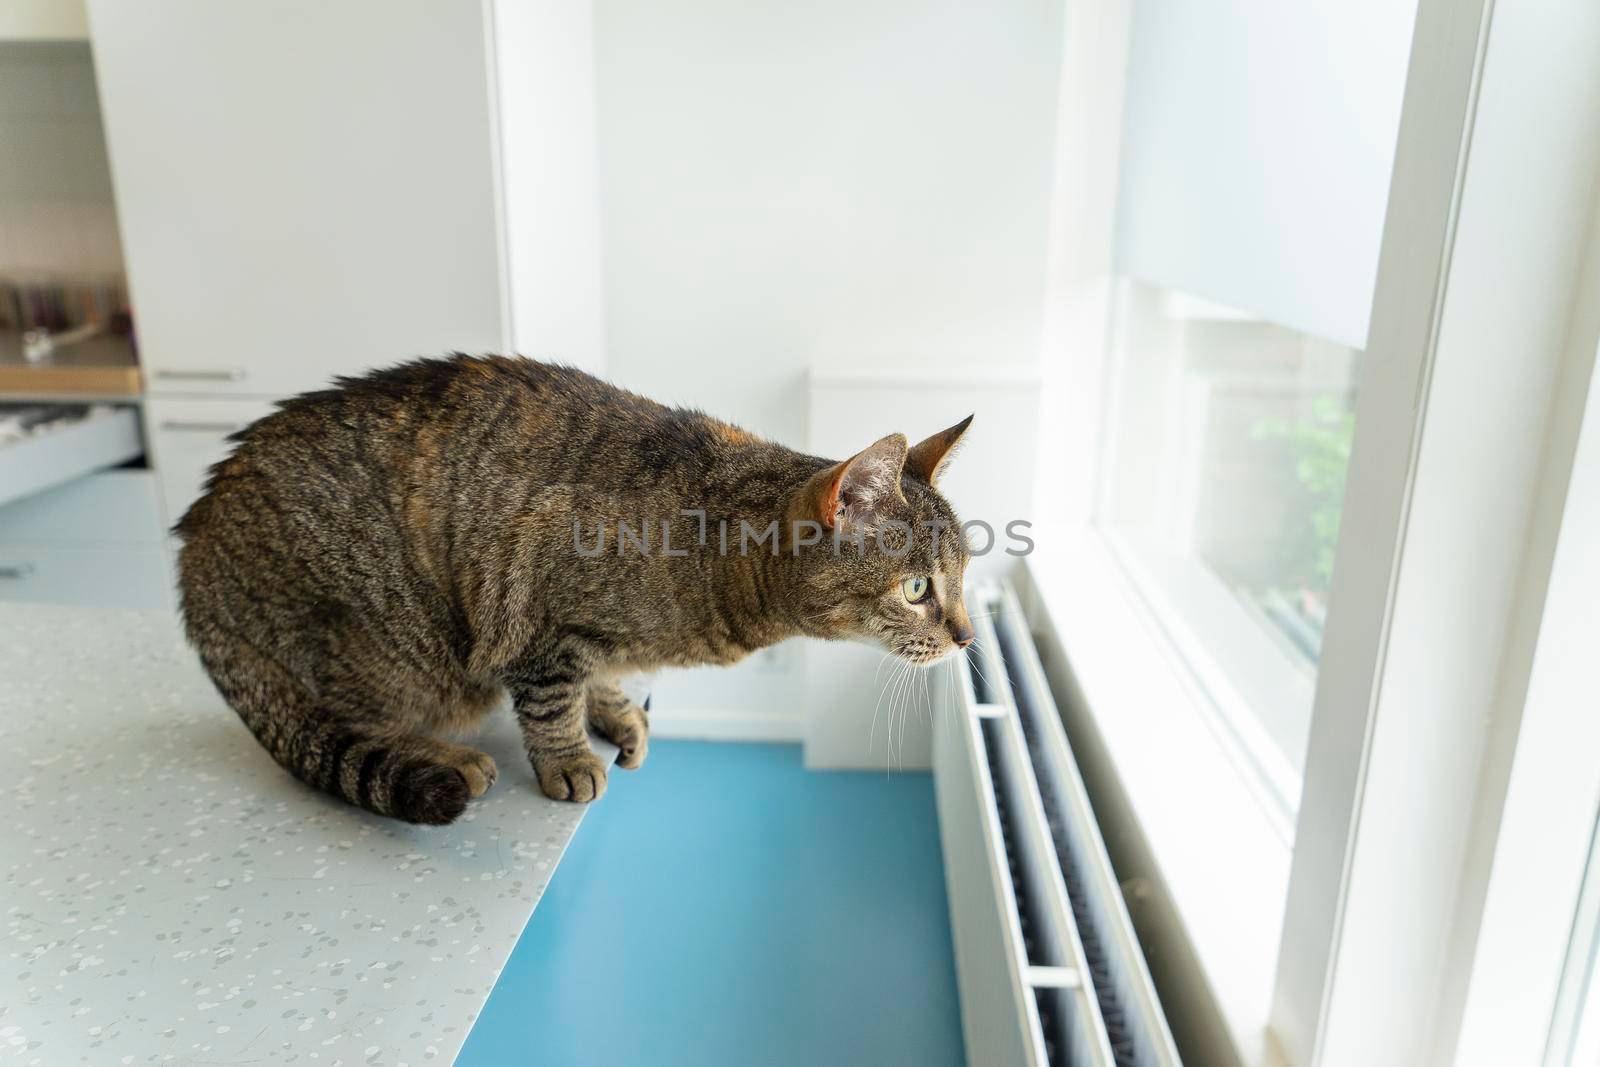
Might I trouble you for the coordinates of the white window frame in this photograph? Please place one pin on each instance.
(1374, 940)
(1543, 761)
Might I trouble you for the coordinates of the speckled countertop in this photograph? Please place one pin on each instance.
(171, 896)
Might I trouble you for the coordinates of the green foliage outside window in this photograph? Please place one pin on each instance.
(1319, 446)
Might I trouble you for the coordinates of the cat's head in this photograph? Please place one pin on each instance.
(889, 559)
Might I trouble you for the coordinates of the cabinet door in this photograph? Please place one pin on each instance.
(187, 437)
(305, 189)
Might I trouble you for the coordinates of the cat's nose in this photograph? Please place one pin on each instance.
(962, 634)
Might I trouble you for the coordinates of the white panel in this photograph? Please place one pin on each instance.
(544, 59)
(305, 189)
(759, 698)
(1258, 140)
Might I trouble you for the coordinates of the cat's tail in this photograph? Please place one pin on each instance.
(398, 775)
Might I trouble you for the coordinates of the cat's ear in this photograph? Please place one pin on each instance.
(855, 491)
(926, 461)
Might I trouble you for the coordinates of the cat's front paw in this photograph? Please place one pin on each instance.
(578, 776)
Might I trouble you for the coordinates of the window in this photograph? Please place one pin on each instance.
(1279, 331)
(1222, 481)
(1254, 174)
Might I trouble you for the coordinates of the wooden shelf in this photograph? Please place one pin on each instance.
(99, 367)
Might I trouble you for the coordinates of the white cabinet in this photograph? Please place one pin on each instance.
(305, 189)
(308, 190)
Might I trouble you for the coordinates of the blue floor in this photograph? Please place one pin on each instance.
(723, 905)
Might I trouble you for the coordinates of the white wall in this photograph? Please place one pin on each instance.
(821, 185)
(544, 72)
(57, 213)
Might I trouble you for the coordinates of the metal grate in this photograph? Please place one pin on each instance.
(1049, 969)
(1134, 1025)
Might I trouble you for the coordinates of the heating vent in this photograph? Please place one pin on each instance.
(1049, 969)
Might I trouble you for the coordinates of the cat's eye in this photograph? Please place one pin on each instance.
(915, 589)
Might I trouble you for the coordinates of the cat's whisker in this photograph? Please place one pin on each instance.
(894, 703)
(888, 733)
(881, 661)
(990, 614)
(913, 694)
(949, 688)
(919, 695)
(873, 733)
(972, 664)
(902, 695)
(900, 759)
(900, 711)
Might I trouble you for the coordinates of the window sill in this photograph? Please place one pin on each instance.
(1237, 667)
(1173, 803)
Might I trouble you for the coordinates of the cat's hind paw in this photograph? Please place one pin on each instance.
(478, 769)
(629, 730)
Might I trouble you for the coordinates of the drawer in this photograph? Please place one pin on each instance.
(111, 507)
(58, 455)
(202, 381)
(107, 576)
(187, 437)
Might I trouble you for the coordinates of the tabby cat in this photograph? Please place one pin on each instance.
(379, 563)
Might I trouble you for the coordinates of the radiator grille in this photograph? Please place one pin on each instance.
(1049, 918)
(1101, 960)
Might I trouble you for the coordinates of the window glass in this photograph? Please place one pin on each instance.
(1255, 161)
(1222, 486)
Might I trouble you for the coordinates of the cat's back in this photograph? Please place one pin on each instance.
(451, 428)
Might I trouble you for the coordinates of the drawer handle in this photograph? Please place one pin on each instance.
(233, 374)
(196, 426)
(15, 572)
